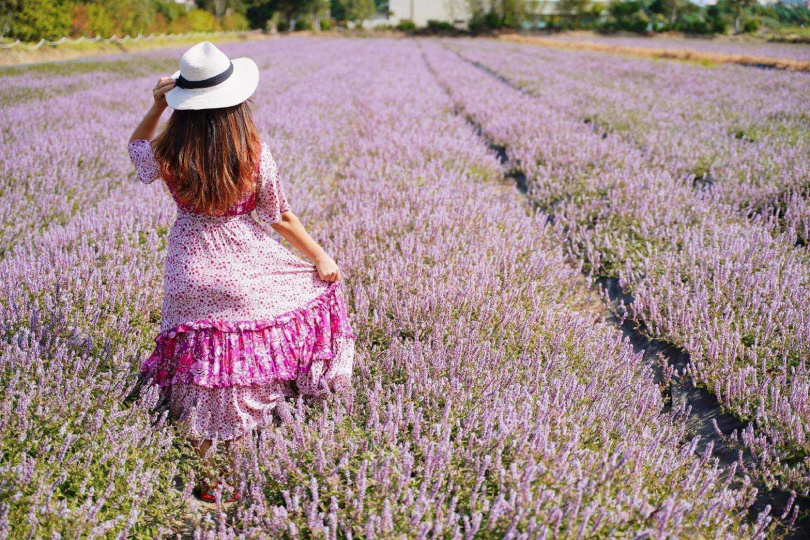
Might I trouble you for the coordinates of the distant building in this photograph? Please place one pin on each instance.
(422, 11)
(456, 12)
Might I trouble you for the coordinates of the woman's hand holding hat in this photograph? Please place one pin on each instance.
(163, 85)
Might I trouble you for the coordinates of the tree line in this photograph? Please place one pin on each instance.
(646, 16)
(32, 20)
(639, 16)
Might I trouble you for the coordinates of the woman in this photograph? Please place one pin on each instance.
(244, 321)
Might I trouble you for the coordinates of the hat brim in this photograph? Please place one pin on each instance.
(234, 90)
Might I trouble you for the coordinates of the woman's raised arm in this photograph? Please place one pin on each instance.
(146, 129)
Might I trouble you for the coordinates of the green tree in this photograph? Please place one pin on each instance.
(573, 11)
(353, 10)
(234, 22)
(511, 11)
(91, 20)
(737, 9)
(259, 12)
(196, 20)
(223, 8)
(489, 14)
(295, 9)
(7, 10)
(32, 20)
(629, 15)
(128, 16)
(671, 8)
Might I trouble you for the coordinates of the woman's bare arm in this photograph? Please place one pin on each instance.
(146, 129)
(290, 227)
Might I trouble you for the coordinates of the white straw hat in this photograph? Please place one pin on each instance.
(209, 80)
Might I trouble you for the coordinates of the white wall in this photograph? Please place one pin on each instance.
(421, 11)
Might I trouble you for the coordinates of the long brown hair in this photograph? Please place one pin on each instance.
(208, 157)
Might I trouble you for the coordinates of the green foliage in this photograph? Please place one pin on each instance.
(91, 20)
(128, 16)
(486, 22)
(259, 14)
(716, 19)
(790, 34)
(352, 10)
(662, 15)
(573, 12)
(201, 21)
(750, 26)
(784, 14)
(719, 25)
(195, 20)
(302, 24)
(513, 12)
(32, 20)
(168, 10)
(406, 25)
(624, 10)
(439, 26)
(736, 8)
(694, 23)
(496, 14)
(234, 22)
(669, 10)
(222, 8)
(629, 16)
(286, 10)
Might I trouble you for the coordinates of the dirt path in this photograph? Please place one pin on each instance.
(93, 51)
(669, 54)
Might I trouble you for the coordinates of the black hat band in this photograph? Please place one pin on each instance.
(180, 82)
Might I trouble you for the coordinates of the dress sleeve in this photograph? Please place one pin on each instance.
(270, 200)
(140, 152)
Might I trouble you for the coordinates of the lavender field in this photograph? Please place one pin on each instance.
(492, 396)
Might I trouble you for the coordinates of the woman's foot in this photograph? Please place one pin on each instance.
(206, 492)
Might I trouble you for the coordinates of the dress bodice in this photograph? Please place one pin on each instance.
(267, 198)
(245, 205)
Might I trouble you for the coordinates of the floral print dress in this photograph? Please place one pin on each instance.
(244, 322)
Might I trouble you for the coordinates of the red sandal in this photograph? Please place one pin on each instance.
(205, 492)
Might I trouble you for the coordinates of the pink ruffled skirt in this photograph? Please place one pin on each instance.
(245, 324)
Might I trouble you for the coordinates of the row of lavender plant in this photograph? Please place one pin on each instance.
(752, 48)
(723, 288)
(80, 306)
(742, 132)
(488, 401)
